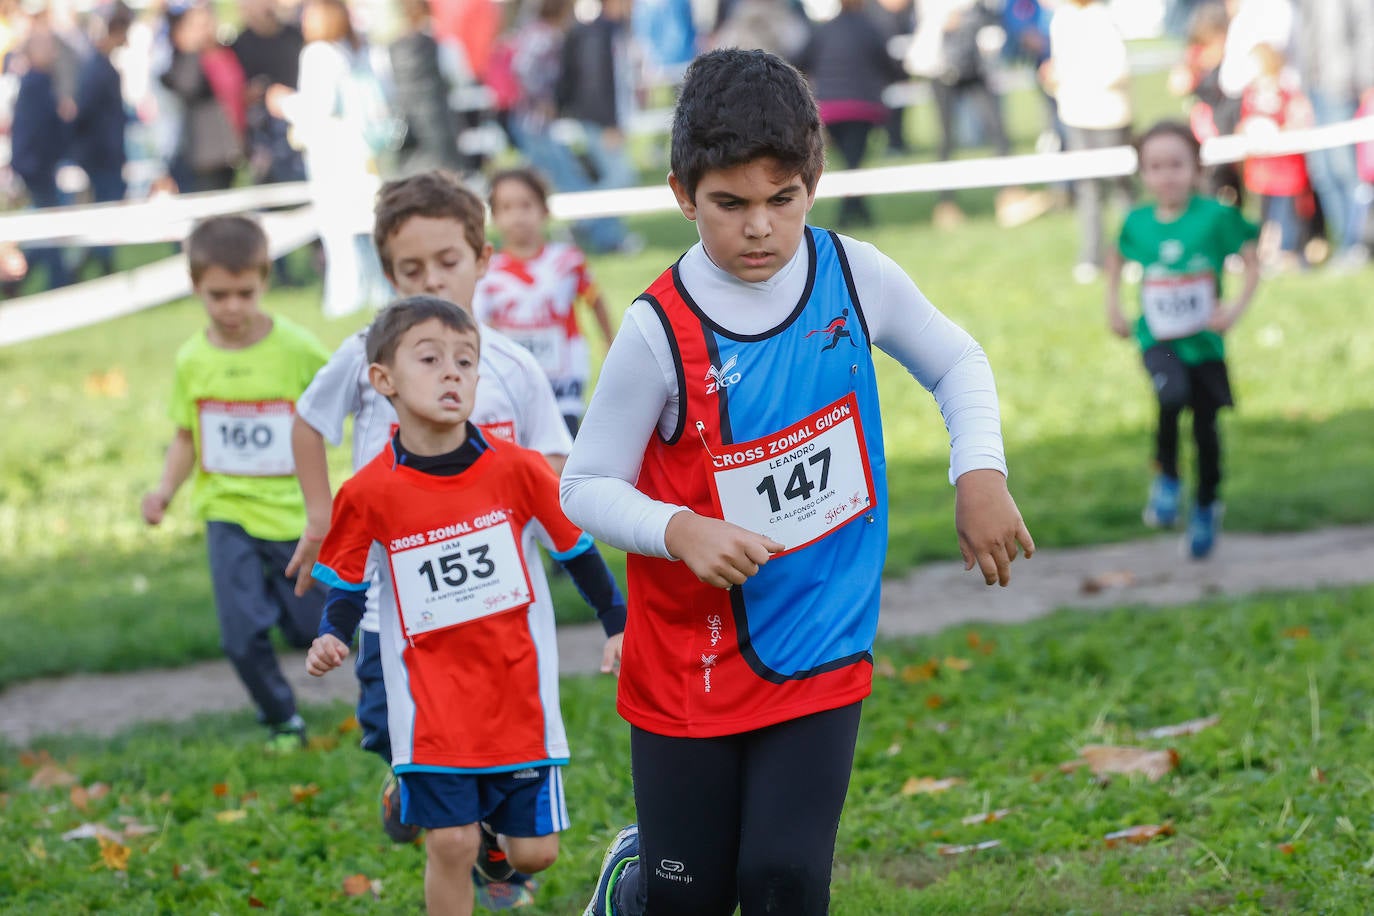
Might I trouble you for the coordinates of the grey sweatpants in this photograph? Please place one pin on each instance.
(253, 594)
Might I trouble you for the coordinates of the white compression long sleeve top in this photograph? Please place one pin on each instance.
(637, 393)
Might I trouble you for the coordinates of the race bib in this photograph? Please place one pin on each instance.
(461, 572)
(1178, 306)
(246, 438)
(800, 483)
(548, 346)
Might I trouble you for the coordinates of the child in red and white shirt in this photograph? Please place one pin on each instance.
(532, 286)
(1274, 102)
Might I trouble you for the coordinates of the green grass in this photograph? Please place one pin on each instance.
(1270, 807)
(88, 588)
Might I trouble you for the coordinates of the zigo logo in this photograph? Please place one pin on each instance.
(722, 377)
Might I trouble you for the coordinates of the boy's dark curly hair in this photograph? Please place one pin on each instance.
(737, 106)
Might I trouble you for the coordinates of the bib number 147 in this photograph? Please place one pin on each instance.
(799, 485)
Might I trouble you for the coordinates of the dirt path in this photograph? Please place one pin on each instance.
(1148, 572)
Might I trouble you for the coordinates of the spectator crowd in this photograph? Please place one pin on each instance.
(102, 102)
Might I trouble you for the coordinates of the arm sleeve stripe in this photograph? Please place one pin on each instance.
(584, 543)
(326, 575)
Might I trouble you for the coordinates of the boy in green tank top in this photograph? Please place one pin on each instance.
(1182, 241)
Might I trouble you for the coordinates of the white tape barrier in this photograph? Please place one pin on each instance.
(992, 172)
(88, 303)
(96, 301)
(158, 219)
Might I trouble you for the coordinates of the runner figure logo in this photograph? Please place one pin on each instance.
(836, 329)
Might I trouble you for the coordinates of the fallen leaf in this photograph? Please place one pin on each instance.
(987, 818)
(1070, 766)
(114, 854)
(955, 663)
(1116, 578)
(348, 725)
(255, 903)
(246, 797)
(302, 793)
(91, 831)
(1104, 758)
(133, 828)
(322, 742)
(357, 885)
(972, 847)
(885, 668)
(31, 759)
(81, 799)
(934, 701)
(176, 871)
(110, 384)
(37, 849)
(1297, 633)
(253, 868)
(974, 639)
(1286, 848)
(915, 674)
(1318, 775)
(894, 749)
(49, 775)
(1191, 727)
(98, 790)
(230, 816)
(926, 785)
(1143, 833)
(220, 789)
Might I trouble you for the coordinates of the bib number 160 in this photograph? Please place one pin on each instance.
(799, 485)
(242, 435)
(453, 572)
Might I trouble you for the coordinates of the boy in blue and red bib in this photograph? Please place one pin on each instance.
(733, 447)
(449, 517)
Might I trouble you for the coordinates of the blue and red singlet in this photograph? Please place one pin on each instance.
(779, 433)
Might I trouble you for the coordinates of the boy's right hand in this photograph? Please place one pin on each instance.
(719, 553)
(1118, 324)
(326, 653)
(154, 507)
(303, 561)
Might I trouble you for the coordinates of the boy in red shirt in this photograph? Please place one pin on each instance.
(470, 658)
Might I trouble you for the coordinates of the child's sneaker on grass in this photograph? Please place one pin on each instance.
(492, 863)
(287, 737)
(503, 895)
(623, 850)
(1161, 509)
(391, 813)
(1203, 526)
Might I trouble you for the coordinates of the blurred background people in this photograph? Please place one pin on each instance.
(1090, 78)
(772, 25)
(331, 114)
(40, 134)
(208, 81)
(1274, 102)
(422, 96)
(597, 86)
(98, 127)
(849, 66)
(1333, 50)
(946, 51)
(1212, 113)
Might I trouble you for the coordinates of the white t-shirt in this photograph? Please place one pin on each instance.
(514, 401)
(636, 394)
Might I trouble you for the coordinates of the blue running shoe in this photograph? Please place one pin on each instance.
(1161, 510)
(623, 850)
(1202, 530)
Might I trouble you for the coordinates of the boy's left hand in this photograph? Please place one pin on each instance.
(989, 525)
(610, 655)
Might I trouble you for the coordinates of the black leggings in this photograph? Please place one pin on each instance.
(745, 820)
(1206, 439)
